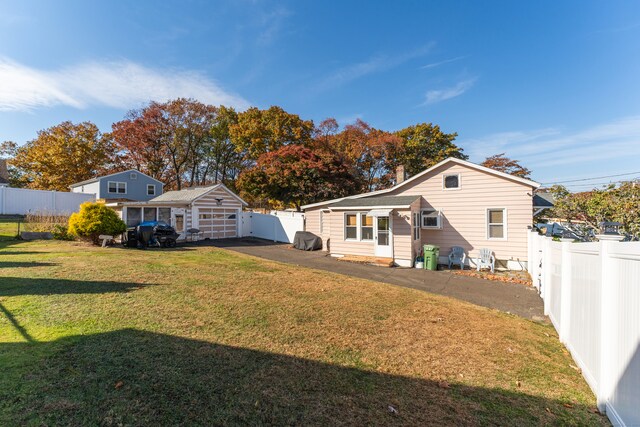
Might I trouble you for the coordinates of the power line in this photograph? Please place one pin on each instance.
(590, 179)
(595, 184)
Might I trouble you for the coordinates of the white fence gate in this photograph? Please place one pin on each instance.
(20, 201)
(279, 226)
(591, 293)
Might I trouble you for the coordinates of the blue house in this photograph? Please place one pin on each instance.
(131, 185)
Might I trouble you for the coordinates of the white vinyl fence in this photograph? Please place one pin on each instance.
(591, 293)
(20, 201)
(278, 226)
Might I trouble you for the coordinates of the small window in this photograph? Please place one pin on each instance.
(149, 214)
(431, 218)
(151, 190)
(133, 175)
(366, 227)
(416, 226)
(496, 220)
(205, 216)
(117, 187)
(134, 216)
(451, 182)
(164, 215)
(179, 223)
(351, 227)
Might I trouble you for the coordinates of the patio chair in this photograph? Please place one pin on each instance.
(486, 260)
(457, 256)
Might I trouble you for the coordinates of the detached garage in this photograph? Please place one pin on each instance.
(214, 210)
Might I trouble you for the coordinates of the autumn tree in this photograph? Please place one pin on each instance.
(295, 175)
(8, 151)
(62, 155)
(140, 142)
(619, 203)
(504, 164)
(222, 158)
(261, 131)
(424, 145)
(364, 149)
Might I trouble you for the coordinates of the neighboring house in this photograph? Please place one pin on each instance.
(214, 210)
(131, 185)
(4, 173)
(453, 203)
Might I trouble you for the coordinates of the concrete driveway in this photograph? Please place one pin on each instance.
(508, 297)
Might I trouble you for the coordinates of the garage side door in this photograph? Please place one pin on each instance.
(218, 223)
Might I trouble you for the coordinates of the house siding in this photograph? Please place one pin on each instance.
(312, 225)
(136, 188)
(464, 210)
(339, 245)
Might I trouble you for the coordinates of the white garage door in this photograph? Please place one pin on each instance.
(218, 223)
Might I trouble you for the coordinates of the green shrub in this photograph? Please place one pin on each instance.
(93, 220)
(61, 232)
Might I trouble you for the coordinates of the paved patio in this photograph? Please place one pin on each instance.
(508, 297)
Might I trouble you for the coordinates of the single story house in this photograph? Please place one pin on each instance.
(453, 203)
(130, 185)
(214, 210)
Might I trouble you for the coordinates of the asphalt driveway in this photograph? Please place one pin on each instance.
(508, 297)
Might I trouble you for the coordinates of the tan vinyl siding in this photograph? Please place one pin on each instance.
(312, 225)
(402, 235)
(464, 211)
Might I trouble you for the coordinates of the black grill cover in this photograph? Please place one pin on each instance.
(306, 241)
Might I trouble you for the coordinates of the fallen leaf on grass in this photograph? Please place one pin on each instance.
(443, 384)
(567, 405)
(119, 384)
(393, 410)
(518, 383)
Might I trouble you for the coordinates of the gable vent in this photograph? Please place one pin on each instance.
(133, 175)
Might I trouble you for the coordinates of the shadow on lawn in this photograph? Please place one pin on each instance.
(15, 286)
(15, 264)
(131, 377)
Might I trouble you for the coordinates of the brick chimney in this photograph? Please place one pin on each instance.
(400, 175)
(4, 173)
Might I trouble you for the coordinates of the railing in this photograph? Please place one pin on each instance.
(591, 293)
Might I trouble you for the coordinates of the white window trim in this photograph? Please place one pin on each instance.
(373, 228)
(425, 227)
(344, 231)
(116, 183)
(444, 177)
(504, 223)
(323, 212)
(154, 189)
(416, 217)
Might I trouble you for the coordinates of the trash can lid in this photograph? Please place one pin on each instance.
(431, 248)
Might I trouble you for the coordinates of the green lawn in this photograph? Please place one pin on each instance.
(8, 227)
(202, 336)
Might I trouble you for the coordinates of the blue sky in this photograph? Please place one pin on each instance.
(553, 84)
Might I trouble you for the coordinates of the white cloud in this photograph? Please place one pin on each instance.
(439, 95)
(372, 65)
(555, 154)
(439, 63)
(118, 84)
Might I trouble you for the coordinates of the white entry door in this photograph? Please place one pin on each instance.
(382, 236)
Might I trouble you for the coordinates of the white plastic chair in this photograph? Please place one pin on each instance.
(457, 256)
(486, 260)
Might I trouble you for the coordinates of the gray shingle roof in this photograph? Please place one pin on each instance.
(187, 195)
(543, 200)
(376, 201)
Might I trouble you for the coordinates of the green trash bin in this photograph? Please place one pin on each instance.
(431, 254)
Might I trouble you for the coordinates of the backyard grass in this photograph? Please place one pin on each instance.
(8, 227)
(203, 336)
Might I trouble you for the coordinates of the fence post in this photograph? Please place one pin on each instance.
(565, 291)
(608, 295)
(546, 273)
(2, 197)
